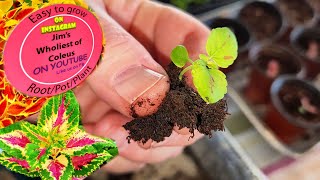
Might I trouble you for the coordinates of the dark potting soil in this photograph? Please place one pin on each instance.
(291, 94)
(309, 42)
(261, 19)
(182, 107)
(286, 65)
(296, 11)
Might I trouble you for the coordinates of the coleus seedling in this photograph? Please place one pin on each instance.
(210, 82)
(57, 147)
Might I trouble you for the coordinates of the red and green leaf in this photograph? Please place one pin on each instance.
(86, 164)
(60, 115)
(13, 140)
(36, 156)
(84, 142)
(58, 169)
(17, 165)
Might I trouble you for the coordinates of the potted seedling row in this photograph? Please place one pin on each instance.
(297, 12)
(307, 43)
(294, 110)
(273, 52)
(269, 61)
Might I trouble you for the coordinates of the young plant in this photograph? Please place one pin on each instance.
(210, 82)
(307, 107)
(57, 148)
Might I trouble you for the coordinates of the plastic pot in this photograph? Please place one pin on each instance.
(262, 19)
(268, 62)
(285, 117)
(315, 4)
(297, 12)
(307, 42)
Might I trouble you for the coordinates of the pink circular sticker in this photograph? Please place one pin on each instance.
(53, 50)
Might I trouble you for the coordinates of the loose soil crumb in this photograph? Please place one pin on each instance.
(182, 107)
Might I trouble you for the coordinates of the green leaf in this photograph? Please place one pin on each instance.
(210, 64)
(210, 83)
(179, 56)
(222, 47)
(220, 84)
(204, 57)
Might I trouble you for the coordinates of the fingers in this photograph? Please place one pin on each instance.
(128, 79)
(161, 32)
(92, 108)
(177, 139)
(121, 165)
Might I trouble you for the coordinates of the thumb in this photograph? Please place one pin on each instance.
(127, 79)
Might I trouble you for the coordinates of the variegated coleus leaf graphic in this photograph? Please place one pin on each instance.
(82, 142)
(89, 152)
(60, 116)
(85, 164)
(36, 156)
(57, 148)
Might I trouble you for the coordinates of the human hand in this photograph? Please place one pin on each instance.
(139, 35)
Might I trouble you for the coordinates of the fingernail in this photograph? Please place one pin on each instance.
(135, 81)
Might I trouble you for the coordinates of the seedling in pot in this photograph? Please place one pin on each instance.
(307, 107)
(210, 82)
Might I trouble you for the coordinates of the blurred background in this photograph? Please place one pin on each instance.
(274, 98)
